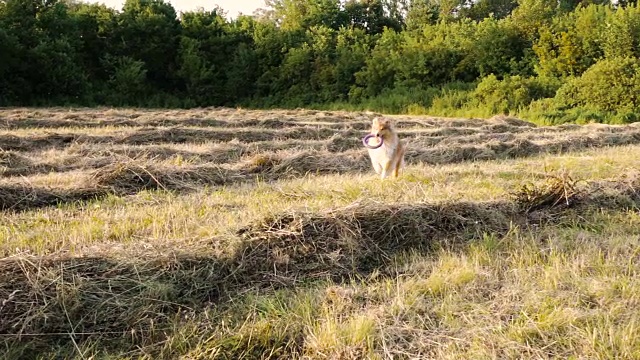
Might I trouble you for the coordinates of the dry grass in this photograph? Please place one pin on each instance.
(558, 190)
(225, 233)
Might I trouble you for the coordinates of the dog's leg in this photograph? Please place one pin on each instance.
(398, 166)
(385, 169)
(377, 167)
(398, 161)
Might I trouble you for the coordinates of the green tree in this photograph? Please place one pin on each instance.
(621, 37)
(371, 16)
(304, 14)
(128, 81)
(197, 73)
(148, 31)
(203, 56)
(353, 48)
(434, 55)
(496, 9)
(10, 81)
(242, 73)
(499, 49)
(271, 46)
(322, 81)
(242, 70)
(530, 16)
(420, 13)
(563, 49)
(511, 94)
(381, 67)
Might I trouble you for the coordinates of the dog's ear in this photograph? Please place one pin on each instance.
(375, 121)
(385, 122)
(391, 124)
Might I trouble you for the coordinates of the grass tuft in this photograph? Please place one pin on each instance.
(558, 190)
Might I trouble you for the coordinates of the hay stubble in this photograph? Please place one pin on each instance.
(225, 233)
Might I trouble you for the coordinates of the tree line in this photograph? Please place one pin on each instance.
(550, 60)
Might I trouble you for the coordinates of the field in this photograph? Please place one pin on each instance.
(234, 234)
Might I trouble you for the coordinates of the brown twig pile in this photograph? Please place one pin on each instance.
(559, 190)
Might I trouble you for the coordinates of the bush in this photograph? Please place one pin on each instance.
(610, 85)
(513, 93)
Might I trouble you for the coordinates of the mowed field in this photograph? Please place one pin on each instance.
(237, 234)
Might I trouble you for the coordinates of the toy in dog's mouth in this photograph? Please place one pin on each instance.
(365, 142)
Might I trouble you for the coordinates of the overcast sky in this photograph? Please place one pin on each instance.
(232, 7)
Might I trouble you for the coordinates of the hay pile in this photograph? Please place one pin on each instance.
(558, 190)
(358, 239)
(561, 191)
(623, 193)
(181, 135)
(13, 160)
(126, 178)
(511, 121)
(287, 163)
(38, 142)
(19, 197)
(13, 164)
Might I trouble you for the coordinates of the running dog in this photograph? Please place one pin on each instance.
(389, 158)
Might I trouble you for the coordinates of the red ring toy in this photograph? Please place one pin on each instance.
(365, 142)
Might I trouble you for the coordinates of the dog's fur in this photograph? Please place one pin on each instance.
(389, 158)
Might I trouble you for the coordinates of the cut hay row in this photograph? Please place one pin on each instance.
(13, 119)
(178, 135)
(26, 197)
(17, 118)
(494, 149)
(131, 177)
(45, 296)
(432, 141)
(120, 175)
(131, 302)
(317, 161)
(360, 237)
(92, 123)
(72, 152)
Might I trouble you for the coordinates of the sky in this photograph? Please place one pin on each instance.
(232, 7)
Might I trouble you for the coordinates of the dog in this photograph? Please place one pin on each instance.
(389, 158)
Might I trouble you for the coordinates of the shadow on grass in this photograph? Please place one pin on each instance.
(49, 304)
(120, 305)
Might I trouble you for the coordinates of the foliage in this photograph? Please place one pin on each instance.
(323, 52)
(609, 85)
(512, 93)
